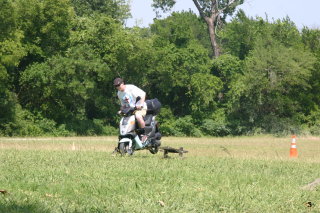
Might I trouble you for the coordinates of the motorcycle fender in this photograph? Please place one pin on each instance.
(126, 140)
(138, 144)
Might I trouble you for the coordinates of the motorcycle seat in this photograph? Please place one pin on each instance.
(148, 119)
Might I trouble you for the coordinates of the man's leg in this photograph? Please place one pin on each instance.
(139, 117)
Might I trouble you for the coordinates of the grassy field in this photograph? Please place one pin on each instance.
(240, 174)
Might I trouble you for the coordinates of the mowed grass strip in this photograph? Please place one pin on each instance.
(245, 174)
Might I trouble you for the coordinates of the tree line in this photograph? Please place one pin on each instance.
(58, 59)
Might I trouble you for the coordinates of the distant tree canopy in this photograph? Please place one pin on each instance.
(58, 59)
(118, 9)
(213, 12)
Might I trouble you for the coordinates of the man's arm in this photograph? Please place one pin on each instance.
(137, 92)
(122, 104)
(141, 102)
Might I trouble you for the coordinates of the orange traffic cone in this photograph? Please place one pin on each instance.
(293, 148)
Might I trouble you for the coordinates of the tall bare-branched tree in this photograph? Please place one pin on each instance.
(213, 12)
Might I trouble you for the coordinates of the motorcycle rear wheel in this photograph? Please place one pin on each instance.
(154, 150)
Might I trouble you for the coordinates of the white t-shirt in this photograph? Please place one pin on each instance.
(129, 96)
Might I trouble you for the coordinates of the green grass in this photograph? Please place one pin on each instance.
(246, 174)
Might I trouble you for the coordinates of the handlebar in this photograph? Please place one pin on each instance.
(127, 111)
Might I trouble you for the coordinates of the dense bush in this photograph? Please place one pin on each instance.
(27, 124)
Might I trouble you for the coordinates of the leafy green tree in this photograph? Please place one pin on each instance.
(11, 47)
(46, 26)
(285, 31)
(238, 37)
(172, 73)
(70, 90)
(311, 40)
(105, 36)
(118, 9)
(8, 19)
(181, 77)
(204, 90)
(11, 52)
(312, 121)
(40, 29)
(127, 53)
(7, 101)
(213, 12)
(180, 28)
(216, 124)
(268, 95)
(227, 68)
(56, 19)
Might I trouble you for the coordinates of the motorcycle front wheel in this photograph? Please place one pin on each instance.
(124, 149)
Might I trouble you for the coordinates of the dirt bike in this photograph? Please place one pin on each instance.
(131, 135)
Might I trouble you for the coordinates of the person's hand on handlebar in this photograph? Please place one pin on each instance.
(138, 107)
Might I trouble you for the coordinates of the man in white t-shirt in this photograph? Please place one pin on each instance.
(128, 94)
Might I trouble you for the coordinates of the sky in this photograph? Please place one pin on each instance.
(302, 13)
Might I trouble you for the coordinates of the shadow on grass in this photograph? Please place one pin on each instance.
(27, 208)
